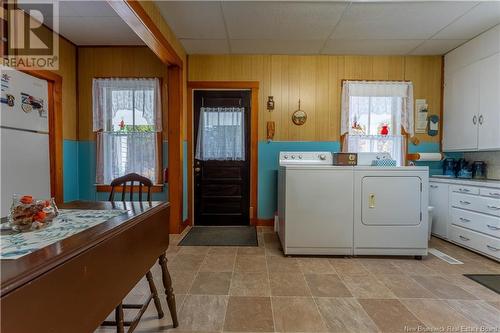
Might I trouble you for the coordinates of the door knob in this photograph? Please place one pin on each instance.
(197, 169)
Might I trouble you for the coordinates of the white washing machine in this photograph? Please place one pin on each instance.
(390, 210)
(315, 201)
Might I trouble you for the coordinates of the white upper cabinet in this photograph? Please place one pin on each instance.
(489, 103)
(461, 110)
(472, 95)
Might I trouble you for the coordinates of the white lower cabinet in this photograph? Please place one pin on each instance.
(438, 198)
(467, 215)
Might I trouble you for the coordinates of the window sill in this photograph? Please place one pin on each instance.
(107, 188)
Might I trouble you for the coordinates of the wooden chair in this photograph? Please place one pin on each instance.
(119, 322)
(130, 178)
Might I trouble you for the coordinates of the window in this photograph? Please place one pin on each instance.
(373, 116)
(127, 120)
(221, 134)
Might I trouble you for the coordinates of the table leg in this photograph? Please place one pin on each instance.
(169, 291)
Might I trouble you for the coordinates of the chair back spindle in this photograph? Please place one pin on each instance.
(130, 178)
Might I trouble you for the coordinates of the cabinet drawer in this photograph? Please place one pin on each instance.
(490, 192)
(476, 203)
(465, 189)
(474, 240)
(479, 222)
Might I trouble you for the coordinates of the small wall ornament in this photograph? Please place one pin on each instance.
(299, 117)
(270, 103)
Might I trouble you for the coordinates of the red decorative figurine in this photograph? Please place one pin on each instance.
(384, 130)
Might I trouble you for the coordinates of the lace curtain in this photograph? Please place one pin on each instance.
(373, 114)
(221, 134)
(404, 90)
(126, 119)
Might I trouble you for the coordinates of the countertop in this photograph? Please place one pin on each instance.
(474, 182)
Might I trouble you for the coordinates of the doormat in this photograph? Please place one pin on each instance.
(443, 256)
(490, 281)
(221, 236)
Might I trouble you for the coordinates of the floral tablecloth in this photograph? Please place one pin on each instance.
(68, 223)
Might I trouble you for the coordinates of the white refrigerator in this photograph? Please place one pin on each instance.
(24, 135)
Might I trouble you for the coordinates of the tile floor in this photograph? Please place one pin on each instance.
(230, 289)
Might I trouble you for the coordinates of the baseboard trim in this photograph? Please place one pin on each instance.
(265, 222)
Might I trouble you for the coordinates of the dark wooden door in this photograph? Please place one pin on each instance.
(222, 171)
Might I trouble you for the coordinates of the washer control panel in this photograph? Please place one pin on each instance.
(305, 158)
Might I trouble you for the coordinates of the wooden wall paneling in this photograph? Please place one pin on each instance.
(308, 84)
(317, 81)
(425, 73)
(336, 74)
(275, 91)
(285, 100)
(321, 117)
(294, 95)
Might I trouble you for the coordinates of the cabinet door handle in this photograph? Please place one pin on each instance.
(466, 190)
(435, 186)
(474, 120)
(464, 238)
(493, 207)
(480, 119)
(463, 219)
(495, 194)
(463, 202)
(492, 248)
(492, 227)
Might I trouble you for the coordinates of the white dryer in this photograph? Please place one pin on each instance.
(390, 210)
(315, 202)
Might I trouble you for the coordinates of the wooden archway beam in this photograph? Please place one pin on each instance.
(132, 13)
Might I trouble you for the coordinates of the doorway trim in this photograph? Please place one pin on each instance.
(253, 86)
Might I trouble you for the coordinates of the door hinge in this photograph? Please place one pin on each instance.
(421, 187)
(420, 216)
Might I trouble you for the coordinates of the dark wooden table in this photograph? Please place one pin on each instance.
(73, 284)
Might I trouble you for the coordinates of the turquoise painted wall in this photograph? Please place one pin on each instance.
(79, 173)
(268, 169)
(70, 168)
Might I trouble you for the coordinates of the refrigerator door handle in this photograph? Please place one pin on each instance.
(24, 130)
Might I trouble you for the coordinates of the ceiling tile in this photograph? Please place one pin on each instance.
(98, 31)
(205, 46)
(281, 20)
(246, 46)
(86, 8)
(415, 20)
(370, 47)
(478, 19)
(437, 46)
(194, 19)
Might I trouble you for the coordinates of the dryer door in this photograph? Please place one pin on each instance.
(391, 201)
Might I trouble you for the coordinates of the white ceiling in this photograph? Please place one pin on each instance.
(88, 23)
(328, 27)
